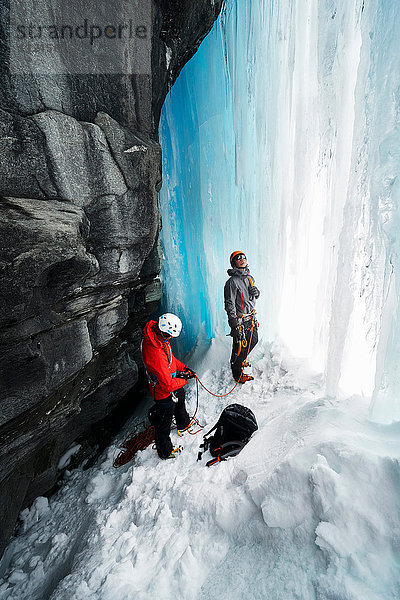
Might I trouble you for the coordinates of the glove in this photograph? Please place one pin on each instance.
(181, 375)
(255, 292)
(233, 322)
(189, 374)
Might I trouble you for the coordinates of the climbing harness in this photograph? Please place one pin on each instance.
(242, 339)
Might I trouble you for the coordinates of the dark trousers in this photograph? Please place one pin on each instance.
(239, 353)
(161, 414)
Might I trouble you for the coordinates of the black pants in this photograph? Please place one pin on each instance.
(161, 414)
(239, 354)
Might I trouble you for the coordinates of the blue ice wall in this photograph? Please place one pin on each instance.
(281, 138)
(214, 200)
(195, 188)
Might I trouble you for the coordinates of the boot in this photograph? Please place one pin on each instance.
(243, 378)
(175, 451)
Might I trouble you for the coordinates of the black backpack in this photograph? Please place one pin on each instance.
(232, 431)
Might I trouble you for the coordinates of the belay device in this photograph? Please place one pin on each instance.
(232, 432)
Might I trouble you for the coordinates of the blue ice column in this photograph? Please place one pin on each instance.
(216, 171)
(196, 185)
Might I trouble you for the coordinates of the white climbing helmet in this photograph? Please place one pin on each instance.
(171, 324)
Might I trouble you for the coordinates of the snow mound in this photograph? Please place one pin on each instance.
(309, 509)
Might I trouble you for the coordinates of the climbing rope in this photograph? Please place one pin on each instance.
(133, 443)
(192, 424)
(193, 419)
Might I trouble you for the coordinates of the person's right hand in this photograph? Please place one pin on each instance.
(181, 375)
(189, 374)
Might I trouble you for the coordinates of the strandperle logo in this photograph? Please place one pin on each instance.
(92, 32)
(69, 36)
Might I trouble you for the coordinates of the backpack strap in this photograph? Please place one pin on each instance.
(224, 455)
(211, 430)
(206, 441)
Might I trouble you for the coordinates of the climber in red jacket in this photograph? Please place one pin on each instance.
(167, 376)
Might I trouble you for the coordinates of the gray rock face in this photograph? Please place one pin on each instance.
(22, 147)
(80, 171)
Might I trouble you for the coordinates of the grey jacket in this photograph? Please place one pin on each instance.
(237, 295)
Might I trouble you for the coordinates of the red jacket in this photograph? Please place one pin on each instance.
(161, 364)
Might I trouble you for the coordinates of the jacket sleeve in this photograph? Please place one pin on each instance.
(180, 366)
(230, 291)
(157, 364)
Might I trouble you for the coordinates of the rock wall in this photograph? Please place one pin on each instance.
(80, 171)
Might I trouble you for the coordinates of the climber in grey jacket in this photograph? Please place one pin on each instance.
(240, 296)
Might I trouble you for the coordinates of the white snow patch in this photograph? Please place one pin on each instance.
(136, 148)
(168, 56)
(66, 457)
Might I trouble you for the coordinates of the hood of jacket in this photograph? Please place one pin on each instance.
(239, 272)
(150, 335)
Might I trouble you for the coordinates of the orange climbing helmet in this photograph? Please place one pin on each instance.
(236, 255)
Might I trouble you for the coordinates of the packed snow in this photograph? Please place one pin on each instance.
(309, 508)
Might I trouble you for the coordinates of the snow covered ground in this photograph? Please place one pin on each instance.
(308, 510)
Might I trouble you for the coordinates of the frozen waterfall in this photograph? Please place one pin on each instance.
(281, 138)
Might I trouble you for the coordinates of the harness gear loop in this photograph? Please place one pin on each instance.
(243, 335)
(242, 343)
